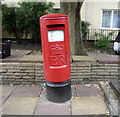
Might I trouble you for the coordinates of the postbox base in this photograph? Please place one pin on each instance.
(58, 92)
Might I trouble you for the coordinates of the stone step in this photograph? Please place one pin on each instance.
(111, 98)
(115, 85)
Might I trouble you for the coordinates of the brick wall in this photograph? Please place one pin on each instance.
(81, 71)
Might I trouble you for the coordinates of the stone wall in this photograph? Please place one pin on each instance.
(28, 73)
(94, 71)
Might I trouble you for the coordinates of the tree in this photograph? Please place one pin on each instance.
(72, 9)
(12, 21)
(24, 20)
(33, 11)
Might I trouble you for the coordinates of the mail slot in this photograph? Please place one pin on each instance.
(56, 51)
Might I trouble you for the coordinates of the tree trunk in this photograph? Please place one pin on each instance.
(72, 9)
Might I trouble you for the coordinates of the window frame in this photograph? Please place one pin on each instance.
(112, 12)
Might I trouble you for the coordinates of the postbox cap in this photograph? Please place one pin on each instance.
(53, 16)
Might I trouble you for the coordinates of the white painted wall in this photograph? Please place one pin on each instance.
(92, 11)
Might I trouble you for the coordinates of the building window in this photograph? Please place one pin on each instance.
(111, 19)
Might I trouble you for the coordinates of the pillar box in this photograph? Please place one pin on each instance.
(56, 56)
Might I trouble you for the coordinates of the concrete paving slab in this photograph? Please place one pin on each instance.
(92, 105)
(31, 58)
(16, 55)
(87, 90)
(83, 58)
(53, 109)
(7, 90)
(20, 52)
(74, 93)
(12, 58)
(0, 100)
(3, 99)
(19, 106)
(103, 58)
(27, 91)
(46, 107)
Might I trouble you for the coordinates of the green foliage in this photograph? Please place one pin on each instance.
(85, 26)
(103, 40)
(33, 11)
(0, 14)
(56, 11)
(12, 21)
(25, 18)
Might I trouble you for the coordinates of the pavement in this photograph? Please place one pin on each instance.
(29, 56)
(16, 55)
(31, 100)
(106, 58)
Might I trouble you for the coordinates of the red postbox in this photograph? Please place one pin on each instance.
(56, 49)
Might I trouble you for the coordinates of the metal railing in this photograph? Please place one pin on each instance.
(28, 45)
(91, 33)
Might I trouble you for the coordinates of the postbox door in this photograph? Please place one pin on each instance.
(57, 47)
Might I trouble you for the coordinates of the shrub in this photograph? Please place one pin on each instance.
(23, 20)
(103, 40)
(85, 25)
